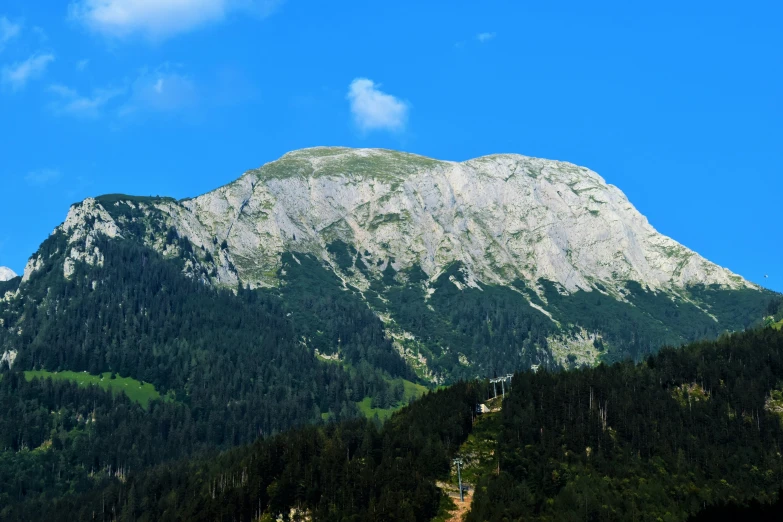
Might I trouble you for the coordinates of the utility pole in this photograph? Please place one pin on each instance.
(458, 462)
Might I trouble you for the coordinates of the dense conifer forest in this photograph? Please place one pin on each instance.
(683, 434)
(230, 367)
(350, 470)
(681, 431)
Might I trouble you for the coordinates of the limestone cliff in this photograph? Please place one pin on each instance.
(503, 216)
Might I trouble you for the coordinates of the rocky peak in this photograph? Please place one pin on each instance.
(504, 217)
(6, 274)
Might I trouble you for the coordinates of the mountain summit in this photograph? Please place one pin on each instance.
(6, 274)
(489, 264)
(504, 217)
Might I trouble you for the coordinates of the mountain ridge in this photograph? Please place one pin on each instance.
(325, 162)
(273, 194)
(535, 243)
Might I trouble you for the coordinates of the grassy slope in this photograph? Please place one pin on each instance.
(412, 391)
(136, 391)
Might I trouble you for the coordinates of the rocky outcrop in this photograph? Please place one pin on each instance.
(505, 217)
(8, 357)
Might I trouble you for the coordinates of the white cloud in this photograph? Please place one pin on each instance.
(72, 103)
(18, 74)
(159, 19)
(42, 177)
(373, 109)
(8, 31)
(82, 64)
(485, 37)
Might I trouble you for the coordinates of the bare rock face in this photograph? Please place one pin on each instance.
(505, 217)
(6, 274)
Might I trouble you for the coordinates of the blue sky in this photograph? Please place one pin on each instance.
(679, 106)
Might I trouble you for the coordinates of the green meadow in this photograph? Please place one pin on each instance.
(139, 392)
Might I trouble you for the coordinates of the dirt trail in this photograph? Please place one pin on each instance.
(462, 507)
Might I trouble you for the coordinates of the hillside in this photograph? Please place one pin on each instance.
(187, 368)
(682, 433)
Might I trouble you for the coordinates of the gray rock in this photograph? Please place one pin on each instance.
(6, 274)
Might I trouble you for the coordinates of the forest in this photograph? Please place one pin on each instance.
(497, 329)
(351, 470)
(230, 367)
(659, 440)
(684, 433)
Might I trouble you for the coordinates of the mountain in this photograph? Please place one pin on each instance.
(677, 436)
(327, 285)
(503, 217)
(471, 268)
(6, 274)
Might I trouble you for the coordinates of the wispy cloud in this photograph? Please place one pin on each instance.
(42, 177)
(374, 109)
(70, 102)
(160, 19)
(17, 75)
(163, 90)
(167, 90)
(8, 31)
(485, 37)
(82, 64)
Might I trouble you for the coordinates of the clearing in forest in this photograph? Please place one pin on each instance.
(479, 458)
(139, 392)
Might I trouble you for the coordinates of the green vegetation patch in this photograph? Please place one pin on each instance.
(139, 392)
(343, 254)
(111, 199)
(478, 452)
(385, 219)
(386, 165)
(405, 391)
(365, 406)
